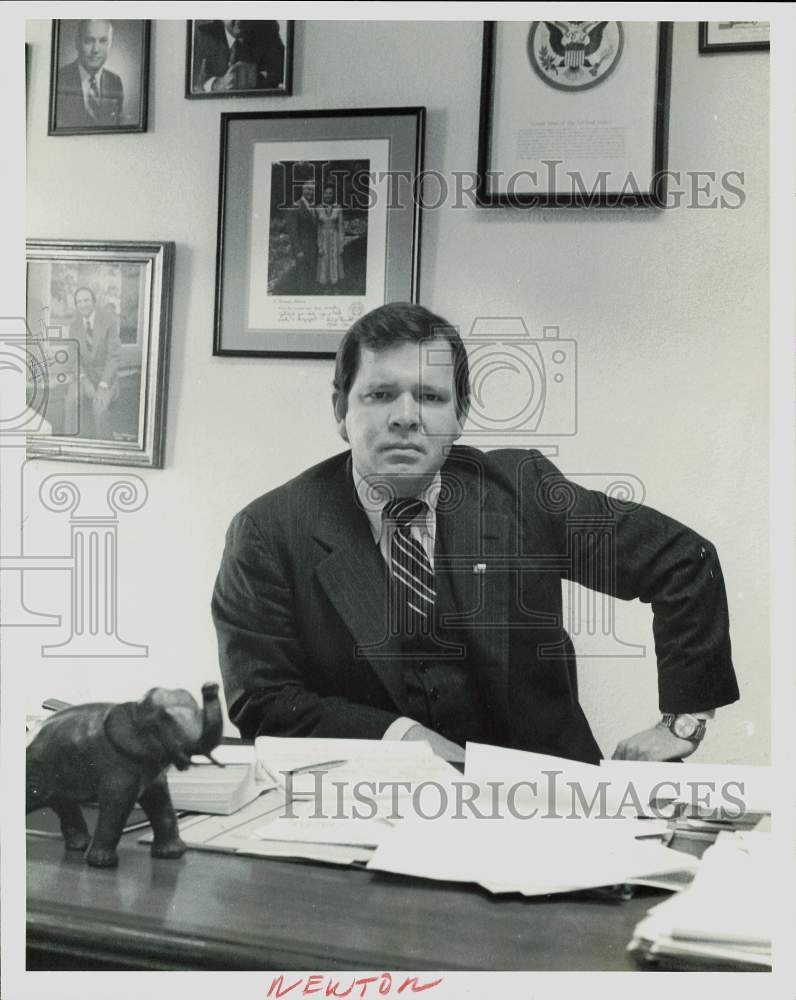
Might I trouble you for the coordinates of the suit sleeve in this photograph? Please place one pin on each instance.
(263, 660)
(631, 551)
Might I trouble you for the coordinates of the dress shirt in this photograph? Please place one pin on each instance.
(423, 529)
(85, 86)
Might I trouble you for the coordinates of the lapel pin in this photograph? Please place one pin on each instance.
(479, 569)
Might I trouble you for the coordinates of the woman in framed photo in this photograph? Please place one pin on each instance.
(329, 217)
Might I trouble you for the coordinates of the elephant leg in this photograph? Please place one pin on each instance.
(116, 799)
(156, 803)
(73, 826)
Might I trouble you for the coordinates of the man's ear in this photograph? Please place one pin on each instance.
(339, 415)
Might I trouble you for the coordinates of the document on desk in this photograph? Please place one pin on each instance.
(720, 790)
(301, 766)
(726, 913)
(535, 856)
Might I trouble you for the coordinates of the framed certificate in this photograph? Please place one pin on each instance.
(318, 223)
(733, 36)
(574, 113)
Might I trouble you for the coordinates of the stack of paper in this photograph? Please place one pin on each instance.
(341, 796)
(726, 913)
(207, 788)
(534, 857)
(536, 824)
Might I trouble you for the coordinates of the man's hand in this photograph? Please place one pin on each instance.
(656, 743)
(441, 747)
(102, 397)
(229, 81)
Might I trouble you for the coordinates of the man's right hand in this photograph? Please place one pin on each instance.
(229, 80)
(446, 749)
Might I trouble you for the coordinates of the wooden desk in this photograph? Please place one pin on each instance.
(214, 911)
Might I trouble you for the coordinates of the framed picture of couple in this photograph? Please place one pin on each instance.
(318, 223)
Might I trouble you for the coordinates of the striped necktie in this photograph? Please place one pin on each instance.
(93, 97)
(411, 573)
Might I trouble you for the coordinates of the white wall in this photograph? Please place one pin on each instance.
(669, 311)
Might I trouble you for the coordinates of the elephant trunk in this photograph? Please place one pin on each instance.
(212, 722)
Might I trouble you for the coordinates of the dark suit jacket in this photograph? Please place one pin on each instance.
(101, 363)
(70, 110)
(301, 584)
(261, 46)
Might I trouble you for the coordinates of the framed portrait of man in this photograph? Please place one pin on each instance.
(239, 59)
(99, 76)
(98, 318)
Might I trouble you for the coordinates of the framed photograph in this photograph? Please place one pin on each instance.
(99, 75)
(98, 317)
(317, 224)
(733, 36)
(574, 113)
(239, 59)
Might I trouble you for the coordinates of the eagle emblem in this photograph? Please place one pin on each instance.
(574, 55)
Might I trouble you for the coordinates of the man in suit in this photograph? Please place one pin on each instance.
(411, 588)
(302, 228)
(87, 92)
(238, 55)
(97, 333)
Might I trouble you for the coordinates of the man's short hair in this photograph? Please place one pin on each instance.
(89, 20)
(85, 288)
(393, 324)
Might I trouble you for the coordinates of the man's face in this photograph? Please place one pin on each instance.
(234, 28)
(401, 419)
(84, 303)
(308, 193)
(93, 44)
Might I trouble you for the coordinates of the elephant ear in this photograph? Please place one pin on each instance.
(131, 728)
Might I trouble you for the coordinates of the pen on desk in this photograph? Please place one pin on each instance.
(314, 767)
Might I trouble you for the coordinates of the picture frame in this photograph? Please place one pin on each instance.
(733, 36)
(98, 329)
(317, 224)
(574, 114)
(265, 66)
(99, 83)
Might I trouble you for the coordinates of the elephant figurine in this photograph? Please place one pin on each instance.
(117, 755)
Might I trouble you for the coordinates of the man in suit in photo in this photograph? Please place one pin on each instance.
(302, 228)
(238, 55)
(88, 93)
(410, 588)
(97, 333)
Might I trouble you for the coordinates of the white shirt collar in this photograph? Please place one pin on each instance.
(231, 39)
(373, 504)
(85, 75)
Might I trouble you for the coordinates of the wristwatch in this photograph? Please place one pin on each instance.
(684, 726)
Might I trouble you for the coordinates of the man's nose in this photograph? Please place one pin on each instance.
(405, 412)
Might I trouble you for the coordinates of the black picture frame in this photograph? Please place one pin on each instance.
(706, 47)
(285, 87)
(652, 197)
(130, 286)
(68, 114)
(385, 247)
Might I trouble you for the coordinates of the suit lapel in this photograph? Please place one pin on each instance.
(472, 542)
(353, 577)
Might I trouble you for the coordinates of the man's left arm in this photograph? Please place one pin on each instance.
(637, 552)
(110, 371)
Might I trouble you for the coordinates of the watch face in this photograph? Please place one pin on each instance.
(685, 726)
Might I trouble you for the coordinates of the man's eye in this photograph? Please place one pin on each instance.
(377, 394)
(430, 397)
